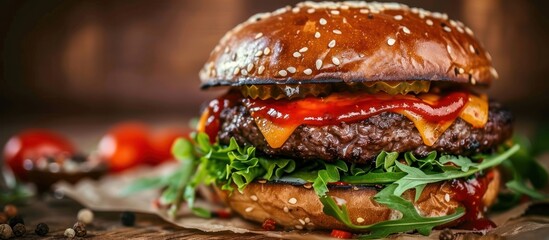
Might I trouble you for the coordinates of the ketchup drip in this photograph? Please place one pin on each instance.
(215, 107)
(348, 107)
(470, 193)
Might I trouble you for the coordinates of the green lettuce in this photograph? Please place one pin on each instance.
(233, 167)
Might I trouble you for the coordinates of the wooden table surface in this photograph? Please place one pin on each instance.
(60, 214)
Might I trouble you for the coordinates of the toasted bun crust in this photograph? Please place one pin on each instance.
(276, 201)
(347, 42)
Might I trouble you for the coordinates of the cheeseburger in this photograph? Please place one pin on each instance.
(361, 117)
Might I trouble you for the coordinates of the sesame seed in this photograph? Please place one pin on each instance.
(259, 53)
(355, 188)
(317, 34)
(250, 67)
(236, 71)
(460, 29)
(253, 197)
(471, 48)
(307, 220)
(332, 44)
(336, 31)
(359, 220)
(308, 185)
(227, 49)
(323, 21)
(334, 12)
(244, 72)
(304, 49)
(391, 41)
(249, 209)
(447, 29)
(429, 22)
(260, 69)
(447, 197)
(364, 11)
(233, 57)
(453, 23)
(336, 61)
(473, 81)
(310, 10)
(297, 54)
(286, 209)
(291, 69)
(340, 201)
(449, 49)
(292, 201)
(344, 7)
(445, 16)
(469, 31)
(406, 30)
(263, 180)
(258, 35)
(494, 72)
(295, 10)
(298, 227)
(398, 17)
(302, 221)
(282, 73)
(308, 71)
(488, 56)
(318, 64)
(266, 51)
(461, 70)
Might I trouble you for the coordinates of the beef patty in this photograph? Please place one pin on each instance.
(362, 141)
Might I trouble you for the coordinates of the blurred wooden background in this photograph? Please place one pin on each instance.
(66, 58)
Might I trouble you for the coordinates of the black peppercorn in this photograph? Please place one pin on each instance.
(447, 234)
(15, 220)
(5, 231)
(79, 229)
(42, 229)
(19, 230)
(128, 219)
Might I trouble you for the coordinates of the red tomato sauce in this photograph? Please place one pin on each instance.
(348, 107)
(470, 193)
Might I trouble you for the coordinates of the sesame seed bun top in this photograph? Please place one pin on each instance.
(347, 42)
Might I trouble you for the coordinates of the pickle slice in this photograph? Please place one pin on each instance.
(292, 91)
(400, 87)
(285, 91)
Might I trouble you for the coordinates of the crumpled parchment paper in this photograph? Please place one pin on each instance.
(105, 195)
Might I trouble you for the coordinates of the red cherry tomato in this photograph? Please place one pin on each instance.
(161, 144)
(126, 145)
(32, 144)
(341, 234)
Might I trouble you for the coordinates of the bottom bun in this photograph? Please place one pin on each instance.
(298, 207)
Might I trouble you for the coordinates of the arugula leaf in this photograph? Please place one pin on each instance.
(328, 175)
(519, 187)
(463, 162)
(416, 178)
(386, 159)
(411, 220)
(201, 212)
(426, 162)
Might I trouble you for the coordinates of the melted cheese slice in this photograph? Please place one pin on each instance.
(475, 113)
(275, 135)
